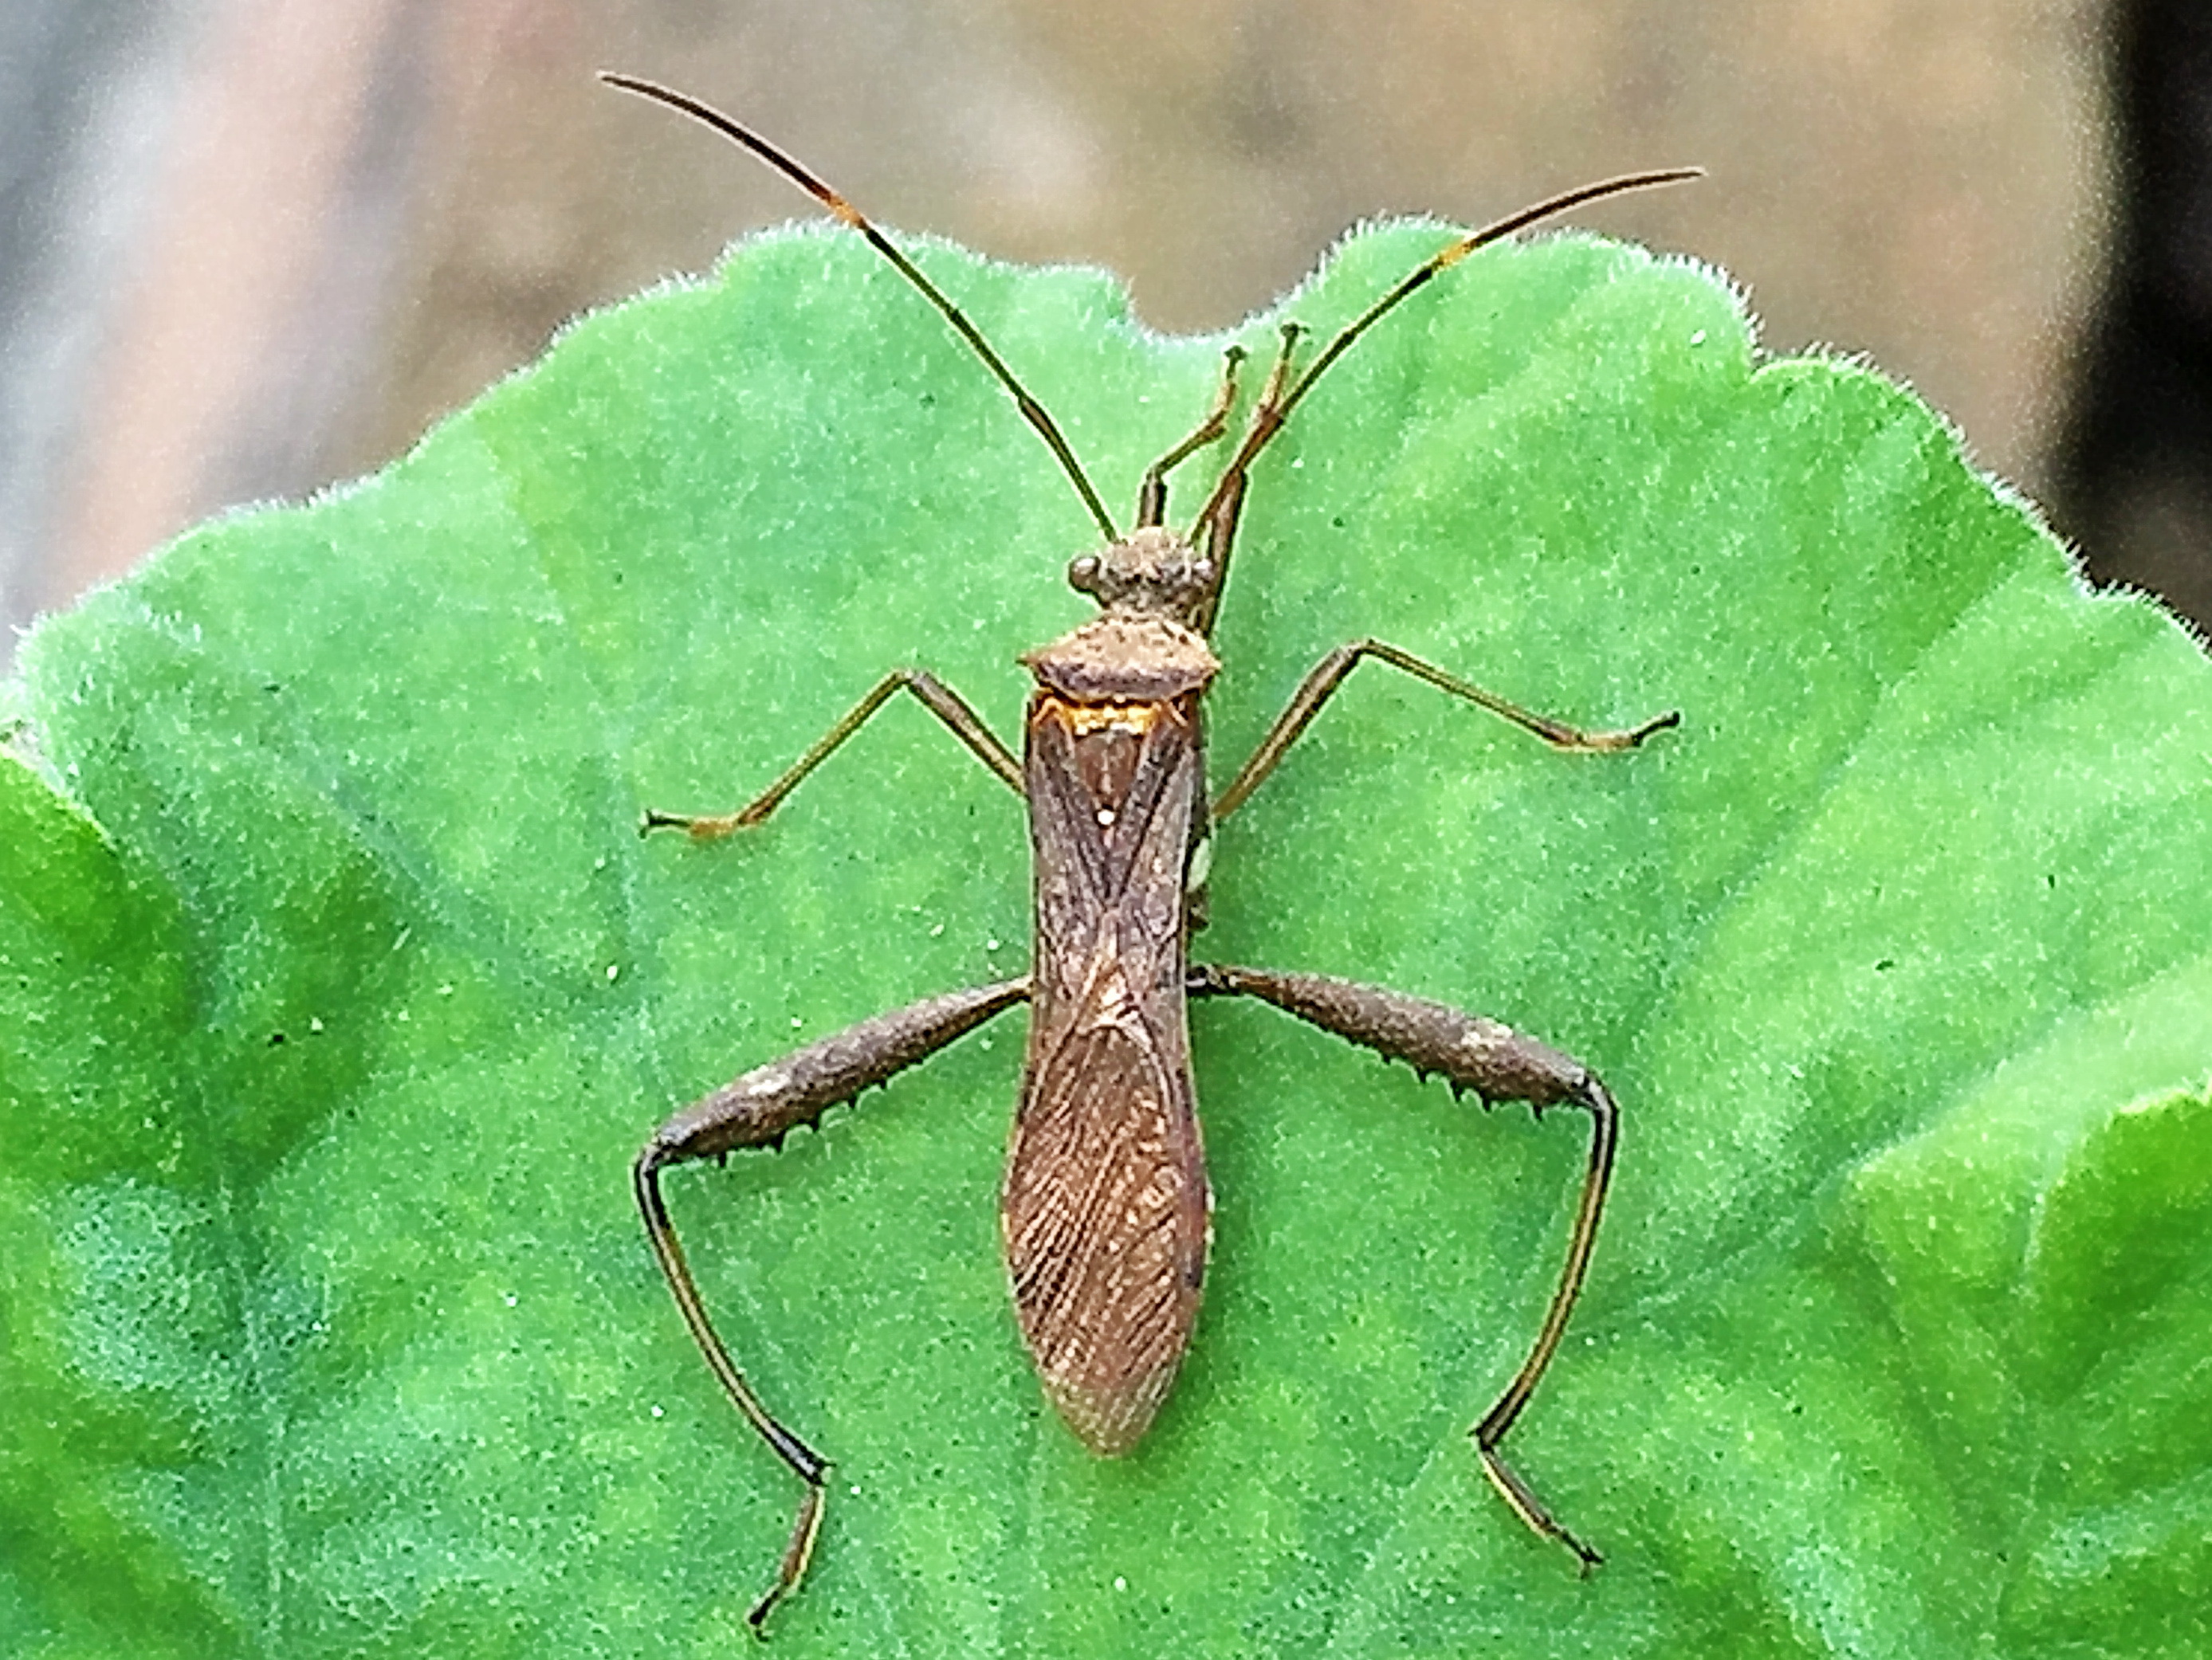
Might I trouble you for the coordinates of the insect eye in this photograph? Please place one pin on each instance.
(1083, 574)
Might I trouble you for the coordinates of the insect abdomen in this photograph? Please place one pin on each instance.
(1106, 1207)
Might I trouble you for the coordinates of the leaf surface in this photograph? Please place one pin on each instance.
(337, 992)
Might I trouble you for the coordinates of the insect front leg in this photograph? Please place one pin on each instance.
(1499, 1065)
(1217, 521)
(933, 694)
(1152, 490)
(759, 1110)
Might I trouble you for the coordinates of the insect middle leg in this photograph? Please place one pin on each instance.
(1323, 679)
(1499, 1063)
(933, 694)
(759, 1110)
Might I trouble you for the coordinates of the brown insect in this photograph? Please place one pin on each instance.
(1106, 1209)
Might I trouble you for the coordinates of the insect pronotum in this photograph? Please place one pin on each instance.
(1105, 1210)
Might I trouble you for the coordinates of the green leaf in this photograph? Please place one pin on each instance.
(337, 992)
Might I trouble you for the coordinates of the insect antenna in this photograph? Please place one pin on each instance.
(1033, 411)
(1269, 418)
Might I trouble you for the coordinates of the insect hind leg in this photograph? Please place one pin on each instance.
(1499, 1063)
(759, 1110)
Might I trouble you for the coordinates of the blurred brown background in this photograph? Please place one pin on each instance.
(250, 246)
